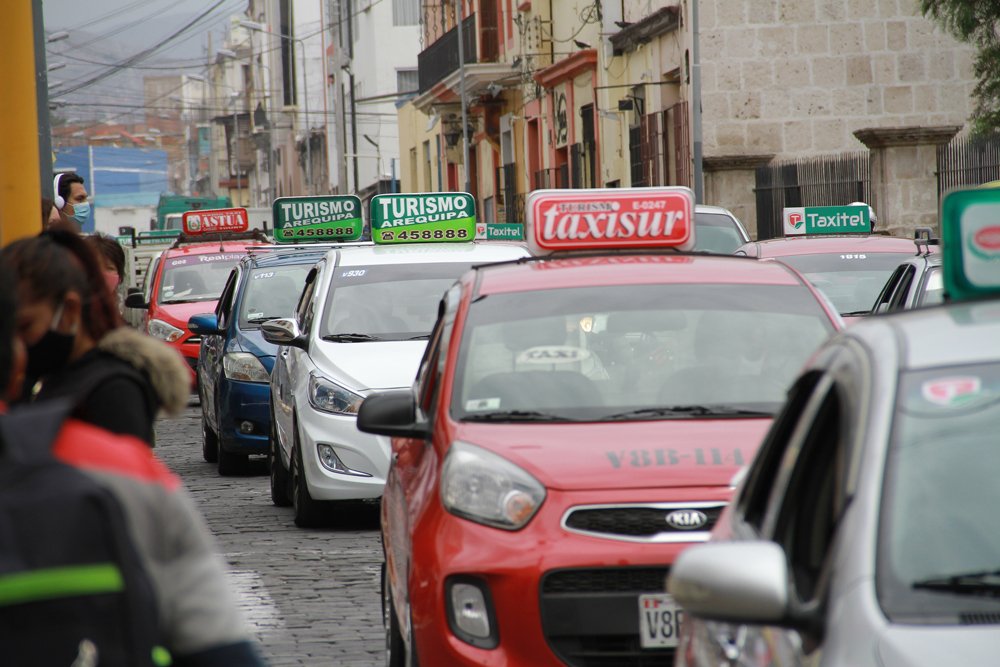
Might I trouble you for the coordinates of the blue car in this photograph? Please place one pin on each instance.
(234, 361)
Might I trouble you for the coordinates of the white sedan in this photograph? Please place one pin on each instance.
(361, 326)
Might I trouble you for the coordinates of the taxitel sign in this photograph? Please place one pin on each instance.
(214, 221)
(799, 220)
(603, 219)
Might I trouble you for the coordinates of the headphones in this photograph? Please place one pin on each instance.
(56, 198)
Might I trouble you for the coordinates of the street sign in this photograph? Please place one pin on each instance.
(499, 231)
(807, 220)
(423, 217)
(215, 220)
(325, 218)
(610, 219)
(970, 238)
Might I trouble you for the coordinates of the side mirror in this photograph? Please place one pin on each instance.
(204, 324)
(392, 413)
(283, 331)
(135, 300)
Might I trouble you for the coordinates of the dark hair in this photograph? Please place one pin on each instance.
(66, 182)
(109, 249)
(47, 205)
(8, 305)
(55, 262)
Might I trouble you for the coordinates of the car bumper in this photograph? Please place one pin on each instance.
(244, 416)
(366, 456)
(574, 602)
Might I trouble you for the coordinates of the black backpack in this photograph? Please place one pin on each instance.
(73, 591)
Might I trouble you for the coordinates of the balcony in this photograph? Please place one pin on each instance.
(441, 58)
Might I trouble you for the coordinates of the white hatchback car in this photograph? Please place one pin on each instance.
(361, 326)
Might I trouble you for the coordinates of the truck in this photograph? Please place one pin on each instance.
(171, 207)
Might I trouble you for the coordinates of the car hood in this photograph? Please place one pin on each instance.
(621, 455)
(178, 314)
(366, 366)
(919, 645)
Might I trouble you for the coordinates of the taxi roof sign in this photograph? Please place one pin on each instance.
(970, 236)
(610, 219)
(423, 217)
(816, 220)
(317, 219)
(215, 220)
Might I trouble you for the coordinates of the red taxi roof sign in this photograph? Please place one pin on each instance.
(610, 219)
(215, 220)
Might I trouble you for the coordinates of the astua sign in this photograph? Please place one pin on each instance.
(806, 220)
(444, 217)
(605, 219)
(970, 237)
(325, 218)
(213, 221)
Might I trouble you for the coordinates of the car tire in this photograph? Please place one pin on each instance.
(308, 512)
(277, 470)
(395, 648)
(209, 440)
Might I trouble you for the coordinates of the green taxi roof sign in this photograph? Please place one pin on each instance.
(425, 217)
(816, 220)
(313, 219)
(970, 237)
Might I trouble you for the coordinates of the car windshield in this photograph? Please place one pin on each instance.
(933, 293)
(939, 538)
(386, 301)
(851, 280)
(196, 277)
(634, 352)
(717, 233)
(272, 293)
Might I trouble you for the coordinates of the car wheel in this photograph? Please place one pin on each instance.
(308, 512)
(278, 471)
(209, 440)
(395, 649)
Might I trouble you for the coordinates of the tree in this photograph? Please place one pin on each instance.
(978, 23)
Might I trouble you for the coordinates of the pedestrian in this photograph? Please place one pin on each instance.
(53, 218)
(71, 199)
(177, 593)
(78, 345)
(111, 257)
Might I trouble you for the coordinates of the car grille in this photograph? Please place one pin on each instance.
(590, 617)
(643, 523)
(194, 340)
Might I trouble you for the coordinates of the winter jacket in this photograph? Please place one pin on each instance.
(123, 383)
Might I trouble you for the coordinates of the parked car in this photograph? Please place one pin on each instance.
(916, 282)
(718, 230)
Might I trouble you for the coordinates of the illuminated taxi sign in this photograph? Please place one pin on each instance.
(326, 218)
(215, 220)
(424, 217)
(970, 236)
(499, 231)
(809, 220)
(608, 219)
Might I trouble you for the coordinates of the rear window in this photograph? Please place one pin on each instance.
(716, 233)
(851, 280)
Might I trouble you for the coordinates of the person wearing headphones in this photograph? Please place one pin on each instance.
(71, 199)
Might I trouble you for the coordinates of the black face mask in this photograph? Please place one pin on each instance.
(51, 352)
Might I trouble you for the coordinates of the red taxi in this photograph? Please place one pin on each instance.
(575, 423)
(848, 263)
(190, 275)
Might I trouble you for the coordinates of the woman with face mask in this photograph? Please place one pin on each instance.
(77, 345)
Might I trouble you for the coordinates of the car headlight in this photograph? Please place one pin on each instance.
(163, 331)
(486, 488)
(327, 396)
(245, 367)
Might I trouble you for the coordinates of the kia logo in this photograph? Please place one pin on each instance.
(686, 519)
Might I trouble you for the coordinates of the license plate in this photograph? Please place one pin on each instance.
(660, 621)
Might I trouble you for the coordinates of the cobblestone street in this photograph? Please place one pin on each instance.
(311, 596)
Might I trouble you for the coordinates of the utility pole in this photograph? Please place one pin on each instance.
(20, 194)
(465, 102)
(42, 102)
(699, 183)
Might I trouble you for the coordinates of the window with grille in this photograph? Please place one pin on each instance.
(406, 80)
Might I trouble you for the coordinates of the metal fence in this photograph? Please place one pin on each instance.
(826, 181)
(967, 161)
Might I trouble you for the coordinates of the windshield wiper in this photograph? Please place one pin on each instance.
(857, 313)
(350, 338)
(514, 416)
(420, 337)
(970, 583)
(168, 301)
(686, 411)
(258, 320)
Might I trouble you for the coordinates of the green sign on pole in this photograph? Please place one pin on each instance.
(806, 220)
(423, 217)
(329, 218)
(500, 231)
(970, 238)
